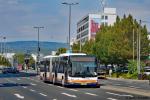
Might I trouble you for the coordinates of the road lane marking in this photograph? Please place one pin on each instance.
(10, 81)
(74, 96)
(73, 89)
(117, 84)
(111, 99)
(134, 87)
(32, 90)
(32, 84)
(60, 86)
(18, 79)
(43, 94)
(119, 94)
(24, 87)
(49, 84)
(90, 94)
(19, 96)
(54, 99)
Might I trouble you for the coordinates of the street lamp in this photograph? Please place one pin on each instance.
(69, 4)
(38, 48)
(4, 45)
(103, 4)
(1, 43)
(139, 47)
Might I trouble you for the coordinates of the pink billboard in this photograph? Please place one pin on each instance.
(95, 26)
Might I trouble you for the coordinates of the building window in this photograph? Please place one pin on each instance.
(84, 33)
(78, 36)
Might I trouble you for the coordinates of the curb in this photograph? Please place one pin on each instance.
(131, 80)
(127, 90)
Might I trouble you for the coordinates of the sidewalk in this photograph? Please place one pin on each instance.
(127, 90)
(129, 80)
(124, 88)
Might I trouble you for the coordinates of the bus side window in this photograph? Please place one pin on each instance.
(54, 65)
(61, 68)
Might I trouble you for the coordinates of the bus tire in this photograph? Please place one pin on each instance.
(63, 82)
(53, 81)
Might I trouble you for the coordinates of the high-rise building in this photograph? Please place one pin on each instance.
(91, 23)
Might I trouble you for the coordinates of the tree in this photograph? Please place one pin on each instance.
(20, 57)
(88, 47)
(76, 47)
(4, 61)
(61, 50)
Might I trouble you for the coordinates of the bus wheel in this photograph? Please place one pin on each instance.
(63, 82)
(53, 80)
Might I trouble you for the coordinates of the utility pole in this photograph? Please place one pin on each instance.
(4, 46)
(133, 41)
(139, 49)
(139, 46)
(1, 43)
(80, 43)
(69, 4)
(103, 3)
(38, 48)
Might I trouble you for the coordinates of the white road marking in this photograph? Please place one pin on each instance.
(32, 84)
(73, 89)
(10, 81)
(117, 84)
(19, 96)
(32, 90)
(54, 99)
(49, 84)
(24, 87)
(111, 99)
(43, 94)
(134, 87)
(119, 94)
(74, 96)
(18, 79)
(60, 86)
(91, 94)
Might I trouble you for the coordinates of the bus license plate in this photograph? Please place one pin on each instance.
(83, 83)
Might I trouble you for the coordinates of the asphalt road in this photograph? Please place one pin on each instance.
(29, 87)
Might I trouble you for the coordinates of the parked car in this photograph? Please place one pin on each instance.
(147, 70)
(14, 70)
(6, 70)
(10, 70)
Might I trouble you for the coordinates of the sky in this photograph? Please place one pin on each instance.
(18, 17)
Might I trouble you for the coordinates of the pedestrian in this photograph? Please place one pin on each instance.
(110, 72)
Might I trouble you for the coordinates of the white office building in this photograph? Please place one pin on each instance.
(91, 23)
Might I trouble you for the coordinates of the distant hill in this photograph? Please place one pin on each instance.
(31, 46)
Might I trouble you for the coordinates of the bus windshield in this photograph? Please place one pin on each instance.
(83, 69)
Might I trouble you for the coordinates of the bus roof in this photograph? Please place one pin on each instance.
(49, 56)
(72, 54)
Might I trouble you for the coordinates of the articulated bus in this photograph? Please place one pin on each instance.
(71, 69)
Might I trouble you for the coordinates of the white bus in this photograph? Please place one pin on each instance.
(72, 69)
(46, 68)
